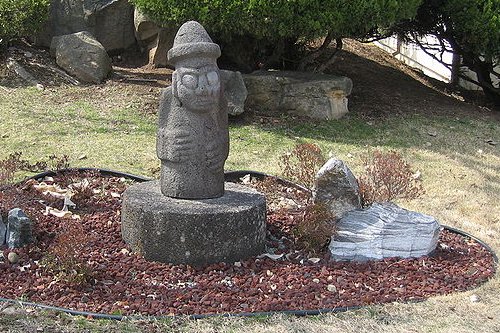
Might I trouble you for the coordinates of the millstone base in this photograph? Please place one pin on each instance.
(195, 232)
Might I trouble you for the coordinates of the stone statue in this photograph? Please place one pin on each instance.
(224, 222)
(193, 137)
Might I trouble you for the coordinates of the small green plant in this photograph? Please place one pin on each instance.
(315, 227)
(64, 259)
(302, 163)
(388, 177)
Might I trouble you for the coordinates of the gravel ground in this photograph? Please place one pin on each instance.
(104, 276)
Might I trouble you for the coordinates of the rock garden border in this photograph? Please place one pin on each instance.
(229, 176)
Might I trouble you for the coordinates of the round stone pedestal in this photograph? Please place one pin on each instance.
(195, 232)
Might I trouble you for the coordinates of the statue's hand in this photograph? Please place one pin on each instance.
(175, 145)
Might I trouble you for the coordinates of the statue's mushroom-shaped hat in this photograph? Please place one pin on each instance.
(192, 40)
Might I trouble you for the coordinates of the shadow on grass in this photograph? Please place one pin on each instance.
(491, 176)
(458, 139)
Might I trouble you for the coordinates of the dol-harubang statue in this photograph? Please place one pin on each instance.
(193, 137)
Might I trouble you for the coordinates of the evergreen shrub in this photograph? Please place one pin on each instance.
(279, 31)
(21, 18)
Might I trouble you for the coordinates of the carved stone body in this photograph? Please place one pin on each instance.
(193, 137)
(192, 148)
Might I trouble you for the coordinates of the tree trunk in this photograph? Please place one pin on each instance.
(455, 69)
(475, 63)
(311, 57)
(483, 73)
(338, 46)
(273, 61)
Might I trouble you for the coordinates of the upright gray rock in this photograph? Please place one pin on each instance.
(154, 39)
(3, 231)
(336, 186)
(145, 29)
(313, 95)
(235, 92)
(112, 24)
(110, 21)
(384, 230)
(65, 17)
(19, 229)
(82, 56)
(193, 135)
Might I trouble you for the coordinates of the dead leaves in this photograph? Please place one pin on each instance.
(67, 194)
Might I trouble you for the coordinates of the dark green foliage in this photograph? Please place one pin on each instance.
(279, 30)
(282, 18)
(20, 18)
(469, 28)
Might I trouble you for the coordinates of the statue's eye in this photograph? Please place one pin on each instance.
(213, 78)
(189, 81)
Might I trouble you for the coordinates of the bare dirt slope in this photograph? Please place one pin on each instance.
(384, 85)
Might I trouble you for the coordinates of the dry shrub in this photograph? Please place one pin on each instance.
(14, 163)
(9, 167)
(64, 259)
(302, 163)
(388, 177)
(315, 227)
(270, 187)
(81, 183)
(55, 162)
(316, 224)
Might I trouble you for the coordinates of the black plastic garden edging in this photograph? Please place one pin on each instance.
(230, 176)
(102, 171)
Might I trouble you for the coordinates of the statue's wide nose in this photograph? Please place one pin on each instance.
(202, 85)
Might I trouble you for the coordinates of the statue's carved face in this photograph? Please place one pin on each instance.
(197, 88)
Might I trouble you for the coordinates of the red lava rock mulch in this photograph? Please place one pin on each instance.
(122, 282)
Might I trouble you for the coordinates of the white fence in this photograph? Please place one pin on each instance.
(414, 56)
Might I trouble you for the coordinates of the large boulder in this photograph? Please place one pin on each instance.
(145, 29)
(19, 229)
(313, 95)
(82, 56)
(235, 91)
(110, 21)
(384, 230)
(65, 17)
(337, 188)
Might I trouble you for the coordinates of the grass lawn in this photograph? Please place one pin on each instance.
(112, 126)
